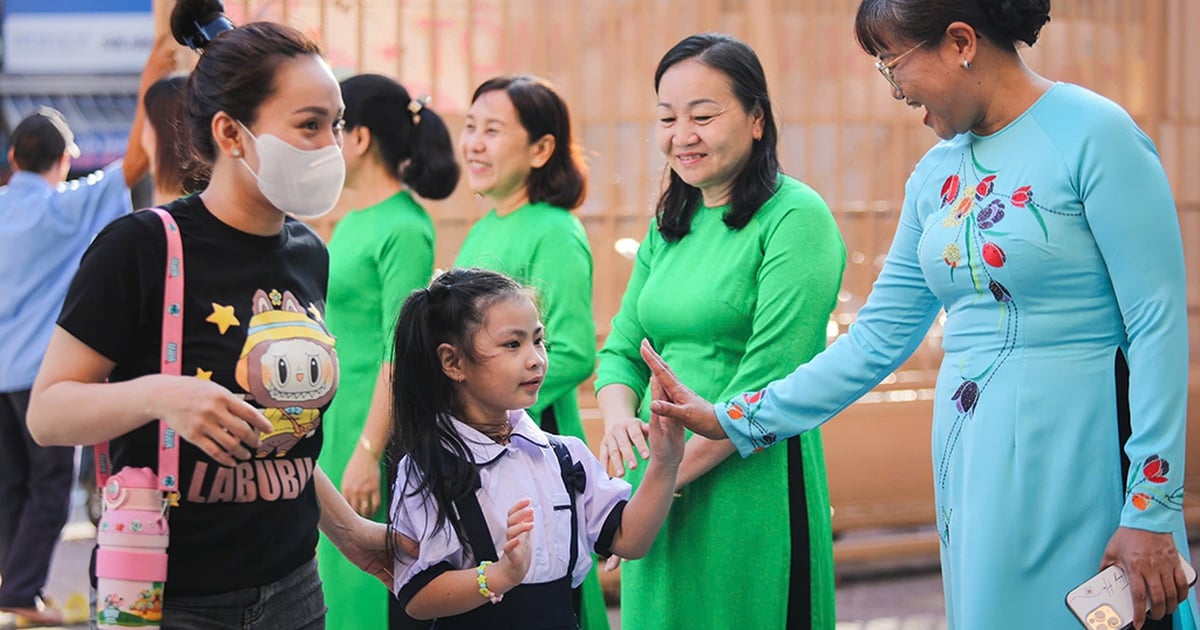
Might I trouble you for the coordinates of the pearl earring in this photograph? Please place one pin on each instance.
(966, 64)
(237, 153)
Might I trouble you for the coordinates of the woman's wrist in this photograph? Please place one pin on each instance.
(365, 444)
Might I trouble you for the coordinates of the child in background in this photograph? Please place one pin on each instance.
(479, 476)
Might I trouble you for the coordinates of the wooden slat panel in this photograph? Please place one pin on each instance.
(841, 132)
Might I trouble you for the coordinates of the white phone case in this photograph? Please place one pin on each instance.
(1104, 602)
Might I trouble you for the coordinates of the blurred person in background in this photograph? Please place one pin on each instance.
(396, 149)
(173, 170)
(45, 226)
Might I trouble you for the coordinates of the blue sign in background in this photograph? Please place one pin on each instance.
(77, 6)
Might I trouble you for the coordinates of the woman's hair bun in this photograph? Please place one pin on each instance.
(196, 23)
(1020, 20)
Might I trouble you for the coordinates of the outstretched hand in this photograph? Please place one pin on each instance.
(678, 402)
(666, 435)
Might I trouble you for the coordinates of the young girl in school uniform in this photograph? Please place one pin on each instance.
(506, 515)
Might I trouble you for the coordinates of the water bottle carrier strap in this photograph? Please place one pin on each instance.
(171, 362)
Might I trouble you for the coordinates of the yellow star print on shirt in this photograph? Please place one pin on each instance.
(203, 374)
(223, 317)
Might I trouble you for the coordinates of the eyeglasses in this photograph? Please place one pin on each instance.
(886, 68)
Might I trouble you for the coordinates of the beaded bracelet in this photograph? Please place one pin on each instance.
(481, 579)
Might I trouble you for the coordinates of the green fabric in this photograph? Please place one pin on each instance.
(731, 311)
(378, 255)
(546, 248)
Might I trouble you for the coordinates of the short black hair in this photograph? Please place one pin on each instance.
(40, 140)
(562, 180)
(759, 178)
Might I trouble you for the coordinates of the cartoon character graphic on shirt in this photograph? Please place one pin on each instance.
(289, 366)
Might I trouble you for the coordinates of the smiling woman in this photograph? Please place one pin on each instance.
(735, 278)
(1018, 225)
(258, 364)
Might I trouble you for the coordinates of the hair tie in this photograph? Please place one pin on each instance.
(207, 32)
(415, 106)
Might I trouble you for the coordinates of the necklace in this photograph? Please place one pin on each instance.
(498, 433)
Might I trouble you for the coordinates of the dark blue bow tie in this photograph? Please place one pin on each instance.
(575, 478)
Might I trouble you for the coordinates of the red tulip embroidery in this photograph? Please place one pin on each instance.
(754, 397)
(1148, 488)
(1155, 469)
(1022, 196)
(950, 189)
(993, 255)
(985, 187)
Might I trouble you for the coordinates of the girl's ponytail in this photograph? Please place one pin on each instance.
(450, 311)
(412, 141)
(422, 397)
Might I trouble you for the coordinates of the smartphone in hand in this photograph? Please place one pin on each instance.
(1105, 602)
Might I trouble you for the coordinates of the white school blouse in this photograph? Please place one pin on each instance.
(526, 467)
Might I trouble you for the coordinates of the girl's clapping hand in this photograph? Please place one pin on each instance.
(518, 553)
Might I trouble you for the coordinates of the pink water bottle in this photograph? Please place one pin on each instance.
(131, 559)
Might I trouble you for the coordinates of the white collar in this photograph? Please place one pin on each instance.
(485, 450)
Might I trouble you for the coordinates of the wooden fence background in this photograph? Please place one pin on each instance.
(841, 133)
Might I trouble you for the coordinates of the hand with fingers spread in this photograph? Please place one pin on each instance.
(624, 439)
(677, 402)
(1151, 565)
(216, 420)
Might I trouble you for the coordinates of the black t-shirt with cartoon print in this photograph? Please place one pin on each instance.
(253, 322)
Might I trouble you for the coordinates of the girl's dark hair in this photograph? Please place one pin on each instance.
(174, 168)
(881, 23)
(760, 175)
(450, 311)
(562, 180)
(236, 71)
(414, 145)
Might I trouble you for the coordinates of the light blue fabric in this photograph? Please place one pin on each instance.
(1052, 245)
(43, 232)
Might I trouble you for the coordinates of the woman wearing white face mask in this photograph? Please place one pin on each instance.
(259, 368)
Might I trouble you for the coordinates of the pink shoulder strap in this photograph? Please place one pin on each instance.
(171, 362)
